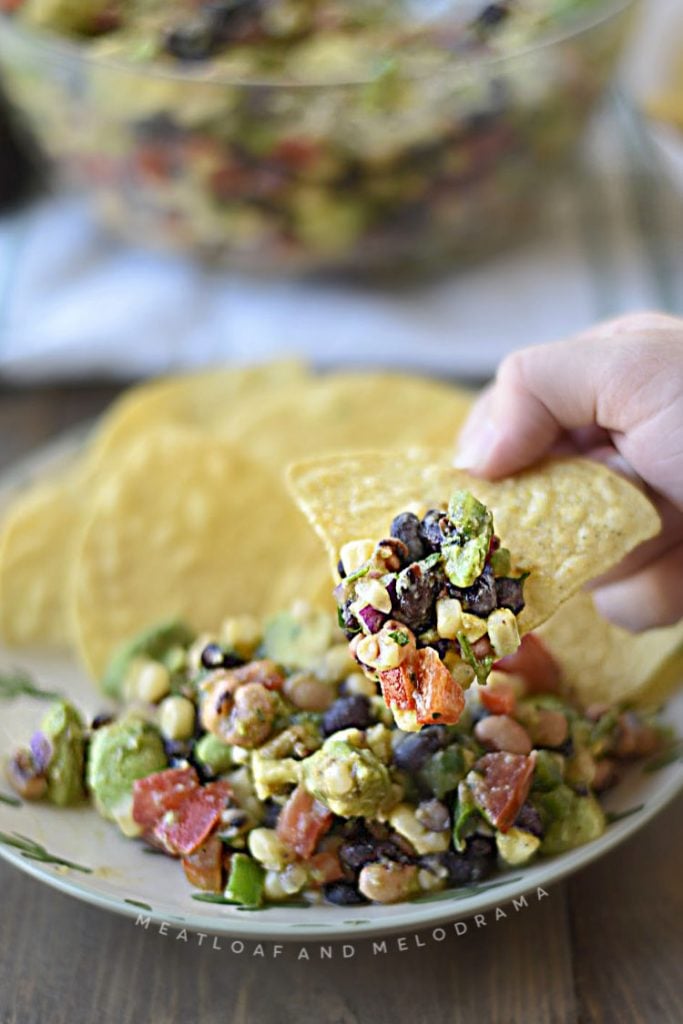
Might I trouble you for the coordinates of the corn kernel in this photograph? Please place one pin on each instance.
(357, 683)
(338, 779)
(448, 617)
(147, 680)
(266, 847)
(503, 631)
(473, 627)
(403, 819)
(177, 718)
(355, 553)
(374, 593)
(242, 634)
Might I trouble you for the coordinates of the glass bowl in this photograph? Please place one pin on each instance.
(428, 162)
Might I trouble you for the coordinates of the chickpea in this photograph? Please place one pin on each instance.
(606, 775)
(500, 732)
(388, 882)
(251, 717)
(308, 692)
(238, 711)
(550, 728)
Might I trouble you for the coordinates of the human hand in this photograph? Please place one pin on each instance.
(614, 392)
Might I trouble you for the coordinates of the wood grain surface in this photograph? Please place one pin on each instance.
(605, 947)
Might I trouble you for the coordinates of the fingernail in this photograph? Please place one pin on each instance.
(475, 445)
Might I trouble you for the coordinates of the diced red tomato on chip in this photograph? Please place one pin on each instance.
(438, 698)
(535, 664)
(501, 785)
(302, 822)
(160, 792)
(204, 867)
(499, 699)
(398, 687)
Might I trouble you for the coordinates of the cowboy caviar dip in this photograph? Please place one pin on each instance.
(304, 134)
(276, 764)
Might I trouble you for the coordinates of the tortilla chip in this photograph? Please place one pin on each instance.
(213, 399)
(332, 413)
(36, 555)
(564, 521)
(341, 411)
(186, 528)
(603, 663)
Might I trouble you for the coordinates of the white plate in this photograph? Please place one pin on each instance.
(122, 876)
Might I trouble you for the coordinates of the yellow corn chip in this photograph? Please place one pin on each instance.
(36, 554)
(186, 528)
(603, 663)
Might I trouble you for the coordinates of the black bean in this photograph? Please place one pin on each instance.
(103, 718)
(529, 820)
(194, 40)
(341, 571)
(354, 712)
(416, 592)
(355, 853)
(344, 894)
(475, 864)
(481, 598)
(442, 647)
(177, 750)
(407, 528)
(510, 593)
(418, 747)
(271, 813)
(431, 528)
(567, 748)
(493, 14)
(214, 656)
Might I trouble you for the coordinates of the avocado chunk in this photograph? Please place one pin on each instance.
(584, 821)
(120, 753)
(63, 727)
(296, 643)
(465, 555)
(155, 643)
(350, 780)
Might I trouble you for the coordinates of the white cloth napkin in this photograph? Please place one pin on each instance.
(74, 302)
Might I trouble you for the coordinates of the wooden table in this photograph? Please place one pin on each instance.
(606, 946)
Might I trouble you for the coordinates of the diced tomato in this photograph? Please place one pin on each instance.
(502, 786)
(325, 867)
(303, 820)
(498, 699)
(398, 687)
(296, 153)
(183, 830)
(533, 661)
(438, 698)
(160, 792)
(10, 5)
(204, 867)
(155, 162)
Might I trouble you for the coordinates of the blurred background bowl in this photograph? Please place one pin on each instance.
(414, 172)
